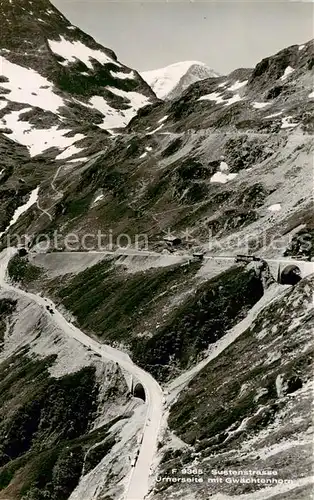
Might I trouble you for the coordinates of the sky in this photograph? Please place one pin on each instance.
(225, 35)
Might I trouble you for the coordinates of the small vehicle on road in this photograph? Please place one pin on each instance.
(134, 460)
(198, 255)
(246, 258)
(50, 310)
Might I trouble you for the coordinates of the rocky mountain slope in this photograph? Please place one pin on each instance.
(72, 82)
(59, 402)
(166, 171)
(224, 169)
(60, 93)
(170, 82)
(249, 409)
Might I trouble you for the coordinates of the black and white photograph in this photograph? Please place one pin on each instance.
(156, 249)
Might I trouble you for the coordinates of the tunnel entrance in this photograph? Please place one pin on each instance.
(290, 275)
(139, 392)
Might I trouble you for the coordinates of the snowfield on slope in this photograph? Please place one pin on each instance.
(220, 99)
(116, 118)
(35, 139)
(237, 85)
(39, 92)
(156, 417)
(27, 86)
(260, 105)
(73, 51)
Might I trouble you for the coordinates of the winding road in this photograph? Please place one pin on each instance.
(138, 482)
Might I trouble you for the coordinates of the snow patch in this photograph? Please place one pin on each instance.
(123, 76)
(237, 85)
(73, 51)
(279, 385)
(280, 447)
(274, 114)
(70, 151)
(36, 140)
(260, 105)
(116, 118)
(213, 96)
(75, 160)
(219, 99)
(98, 198)
(222, 178)
(286, 122)
(163, 119)
(155, 130)
(29, 87)
(287, 72)
(311, 95)
(275, 208)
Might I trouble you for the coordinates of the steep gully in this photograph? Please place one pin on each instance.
(138, 480)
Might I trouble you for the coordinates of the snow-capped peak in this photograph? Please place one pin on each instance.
(171, 81)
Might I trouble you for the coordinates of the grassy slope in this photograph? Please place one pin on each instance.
(116, 305)
(121, 307)
(21, 271)
(203, 318)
